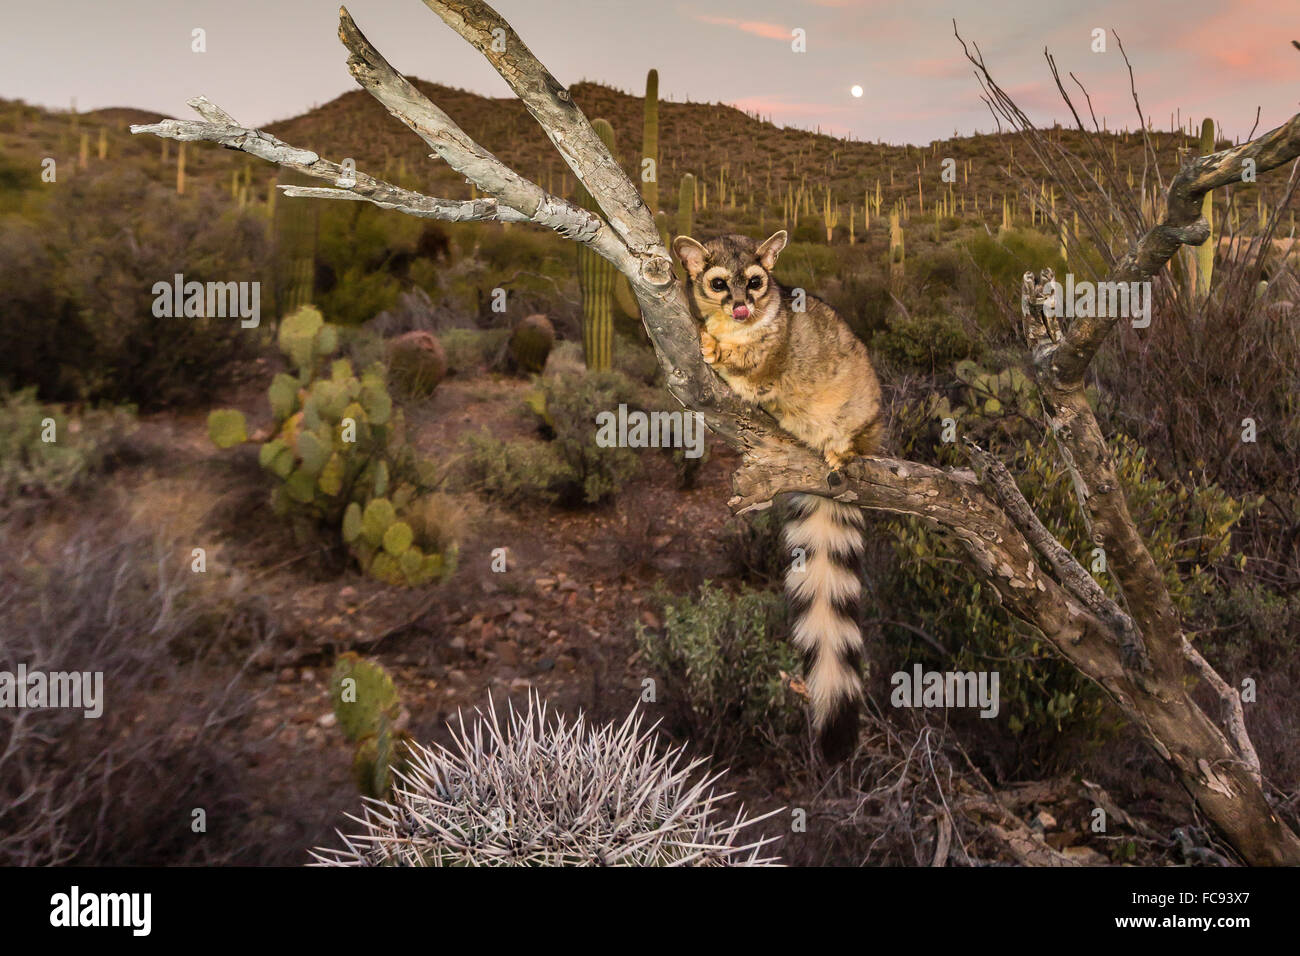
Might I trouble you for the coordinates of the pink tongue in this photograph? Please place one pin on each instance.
(740, 312)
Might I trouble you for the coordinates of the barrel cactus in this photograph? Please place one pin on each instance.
(530, 344)
(537, 790)
(416, 363)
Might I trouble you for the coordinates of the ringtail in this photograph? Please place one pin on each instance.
(813, 375)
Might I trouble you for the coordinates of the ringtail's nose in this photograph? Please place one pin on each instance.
(740, 312)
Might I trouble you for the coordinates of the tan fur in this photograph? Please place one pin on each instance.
(810, 372)
(807, 369)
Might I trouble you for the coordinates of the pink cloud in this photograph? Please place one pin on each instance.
(1234, 42)
(947, 68)
(769, 31)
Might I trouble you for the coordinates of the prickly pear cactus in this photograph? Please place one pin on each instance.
(340, 455)
(371, 716)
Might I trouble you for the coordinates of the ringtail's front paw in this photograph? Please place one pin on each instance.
(708, 348)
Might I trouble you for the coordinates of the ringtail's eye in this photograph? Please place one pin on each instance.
(756, 282)
(719, 284)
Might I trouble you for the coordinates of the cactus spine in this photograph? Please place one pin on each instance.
(534, 789)
(650, 143)
(596, 281)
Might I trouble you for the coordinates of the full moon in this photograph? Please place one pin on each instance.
(856, 90)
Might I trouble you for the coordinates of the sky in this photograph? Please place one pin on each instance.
(272, 59)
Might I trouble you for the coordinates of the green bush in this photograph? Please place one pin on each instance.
(1186, 526)
(808, 265)
(720, 657)
(77, 275)
(569, 469)
(1004, 259)
(470, 351)
(31, 466)
(925, 342)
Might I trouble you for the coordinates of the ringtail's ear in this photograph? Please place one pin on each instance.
(692, 255)
(770, 249)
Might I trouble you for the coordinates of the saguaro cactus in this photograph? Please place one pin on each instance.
(650, 143)
(830, 216)
(895, 251)
(1205, 251)
(685, 205)
(596, 281)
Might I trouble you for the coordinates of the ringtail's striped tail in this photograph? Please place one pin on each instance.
(824, 590)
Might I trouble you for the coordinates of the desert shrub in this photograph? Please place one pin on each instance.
(755, 550)
(570, 469)
(807, 264)
(31, 466)
(77, 282)
(638, 364)
(720, 657)
(937, 272)
(1002, 261)
(1184, 386)
(363, 258)
(470, 351)
(1187, 527)
(865, 303)
(536, 789)
(925, 342)
(118, 789)
(518, 472)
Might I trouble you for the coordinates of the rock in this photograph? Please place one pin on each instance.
(327, 720)
(508, 653)
(288, 675)
(520, 684)
(1085, 855)
(1043, 821)
(457, 677)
